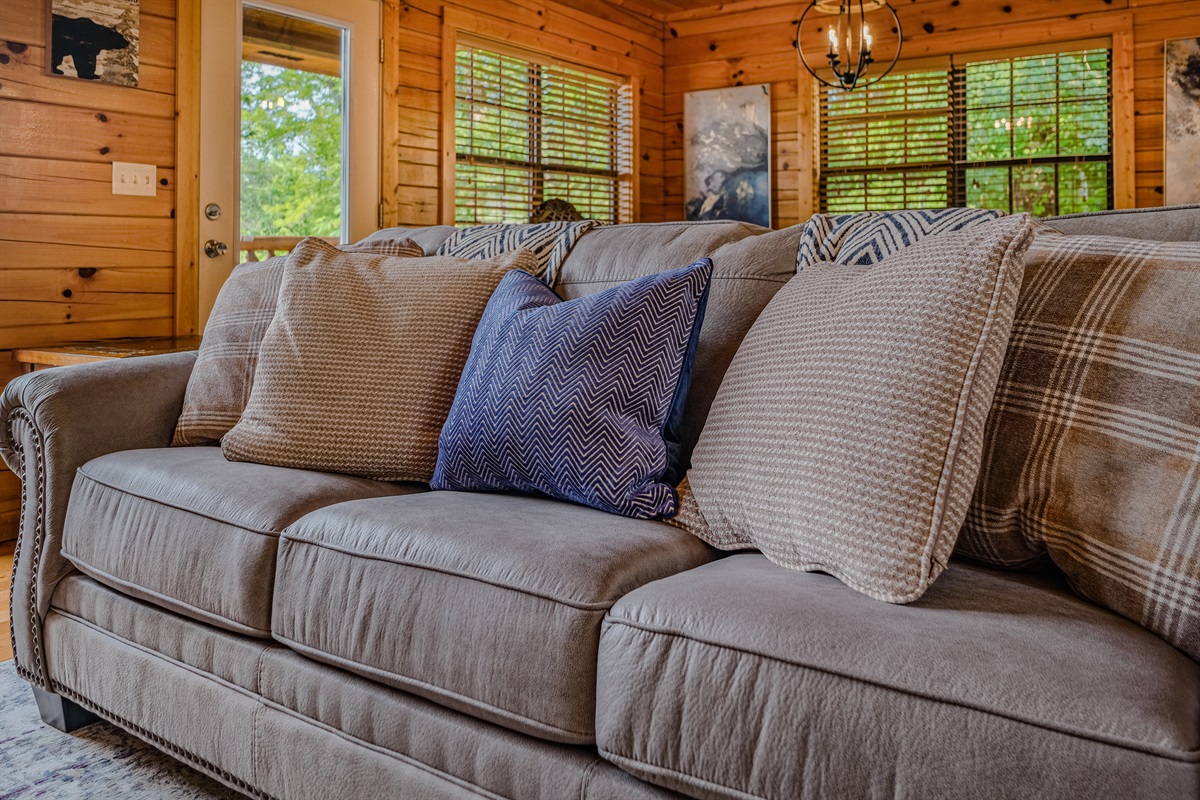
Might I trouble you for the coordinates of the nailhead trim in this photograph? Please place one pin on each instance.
(38, 674)
(161, 743)
(12, 582)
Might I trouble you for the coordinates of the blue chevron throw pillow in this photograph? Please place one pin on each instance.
(871, 236)
(581, 399)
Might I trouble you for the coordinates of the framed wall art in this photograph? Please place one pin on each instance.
(727, 154)
(94, 40)
(1181, 148)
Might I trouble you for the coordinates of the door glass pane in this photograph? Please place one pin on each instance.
(292, 128)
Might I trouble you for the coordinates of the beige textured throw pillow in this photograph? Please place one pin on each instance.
(1092, 450)
(219, 385)
(846, 436)
(359, 368)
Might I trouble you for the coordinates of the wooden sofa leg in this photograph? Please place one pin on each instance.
(59, 712)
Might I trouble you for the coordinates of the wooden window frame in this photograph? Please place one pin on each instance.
(506, 36)
(1117, 28)
(947, 77)
(540, 167)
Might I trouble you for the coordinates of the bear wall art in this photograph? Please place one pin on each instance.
(95, 40)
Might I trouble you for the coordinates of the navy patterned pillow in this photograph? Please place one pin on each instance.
(549, 241)
(871, 236)
(579, 399)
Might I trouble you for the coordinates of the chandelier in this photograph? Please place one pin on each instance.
(849, 39)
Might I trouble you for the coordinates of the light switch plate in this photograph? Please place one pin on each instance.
(137, 179)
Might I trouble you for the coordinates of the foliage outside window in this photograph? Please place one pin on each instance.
(1029, 133)
(527, 132)
(291, 152)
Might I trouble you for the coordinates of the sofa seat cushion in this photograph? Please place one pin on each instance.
(489, 604)
(743, 679)
(194, 533)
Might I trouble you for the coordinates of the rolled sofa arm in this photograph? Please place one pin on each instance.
(52, 422)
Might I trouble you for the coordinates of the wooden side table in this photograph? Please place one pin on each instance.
(61, 355)
(35, 358)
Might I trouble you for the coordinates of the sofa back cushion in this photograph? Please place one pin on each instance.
(1092, 450)
(1163, 224)
(750, 264)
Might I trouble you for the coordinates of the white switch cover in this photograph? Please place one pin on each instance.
(139, 179)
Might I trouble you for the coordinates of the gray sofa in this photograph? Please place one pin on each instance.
(307, 635)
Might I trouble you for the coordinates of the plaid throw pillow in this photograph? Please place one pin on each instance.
(220, 382)
(1092, 450)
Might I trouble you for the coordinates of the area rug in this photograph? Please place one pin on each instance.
(100, 761)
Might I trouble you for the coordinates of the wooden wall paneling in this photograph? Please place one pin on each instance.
(1123, 111)
(396, 63)
(51, 186)
(23, 75)
(46, 131)
(187, 158)
(97, 307)
(77, 262)
(417, 156)
(452, 23)
(92, 231)
(807, 167)
(40, 255)
(751, 42)
(636, 166)
(80, 284)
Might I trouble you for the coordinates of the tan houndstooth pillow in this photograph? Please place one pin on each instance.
(847, 433)
(219, 385)
(1092, 450)
(359, 368)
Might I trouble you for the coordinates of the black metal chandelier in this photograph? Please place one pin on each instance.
(850, 39)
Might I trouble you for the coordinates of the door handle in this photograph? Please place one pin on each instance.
(215, 249)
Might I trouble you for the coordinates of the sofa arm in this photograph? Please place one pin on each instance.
(53, 421)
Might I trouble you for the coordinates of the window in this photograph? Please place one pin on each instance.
(527, 132)
(1027, 133)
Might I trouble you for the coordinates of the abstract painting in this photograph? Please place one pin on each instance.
(1181, 160)
(727, 154)
(95, 40)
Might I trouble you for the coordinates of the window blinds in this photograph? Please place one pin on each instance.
(1020, 133)
(528, 132)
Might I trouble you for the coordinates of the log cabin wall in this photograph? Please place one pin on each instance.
(77, 262)
(751, 42)
(597, 31)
